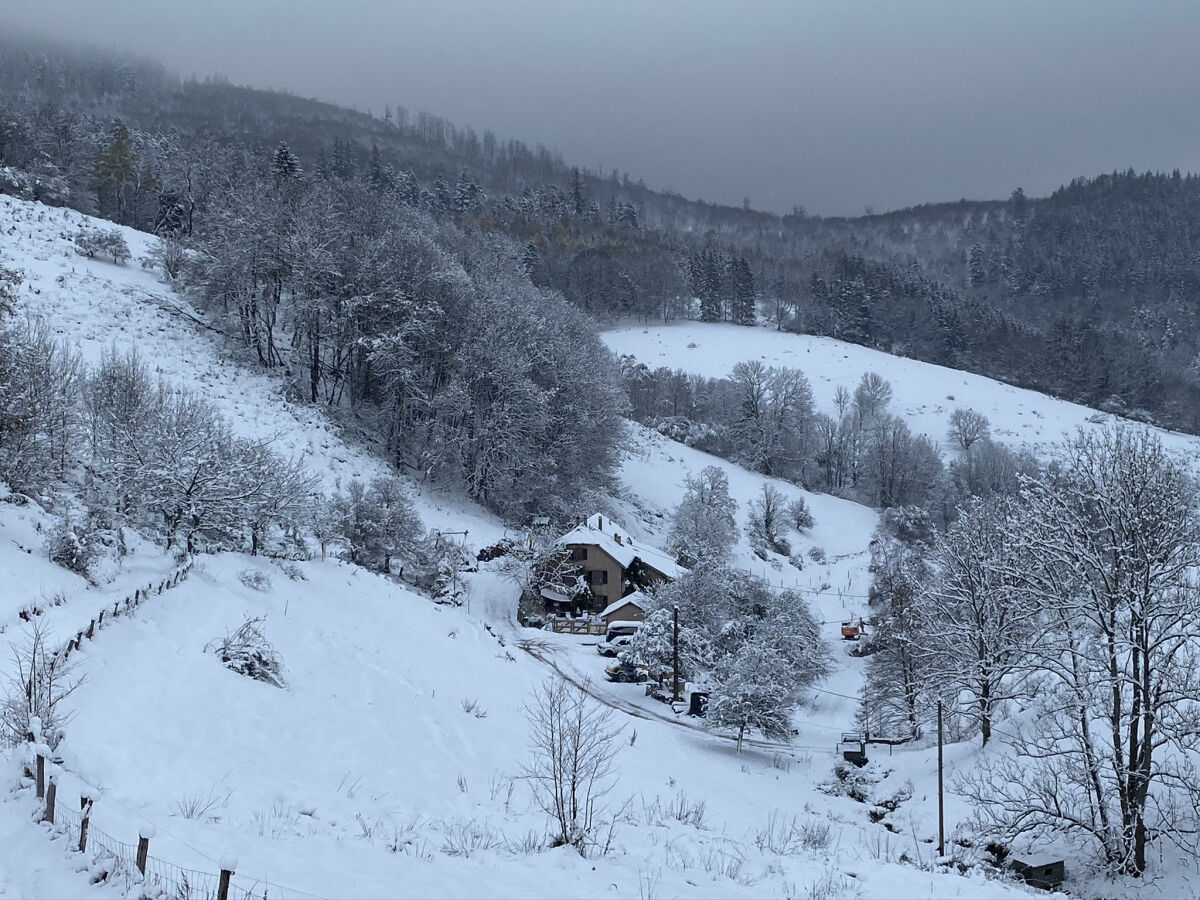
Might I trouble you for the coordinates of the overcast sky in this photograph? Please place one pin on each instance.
(834, 105)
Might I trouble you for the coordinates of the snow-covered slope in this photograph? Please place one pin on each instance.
(924, 394)
(374, 772)
(94, 304)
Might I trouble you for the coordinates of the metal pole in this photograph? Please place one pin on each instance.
(941, 799)
(675, 660)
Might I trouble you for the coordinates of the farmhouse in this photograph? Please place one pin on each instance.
(614, 564)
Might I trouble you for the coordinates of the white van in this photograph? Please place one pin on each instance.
(617, 638)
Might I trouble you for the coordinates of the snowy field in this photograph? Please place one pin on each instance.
(369, 776)
(923, 394)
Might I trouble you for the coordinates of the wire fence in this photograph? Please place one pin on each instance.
(115, 861)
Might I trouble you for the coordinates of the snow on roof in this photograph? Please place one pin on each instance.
(601, 532)
(637, 598)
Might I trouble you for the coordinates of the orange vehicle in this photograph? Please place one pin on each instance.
(852, 630)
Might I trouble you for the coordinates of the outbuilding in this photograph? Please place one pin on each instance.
(630, 608)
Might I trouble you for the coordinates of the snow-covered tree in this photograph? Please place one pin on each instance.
(285, 163)
(378, 523)
(979, 624)
(767, 519)
(704, 526)
(752, 692)
(653, 646)
(1109, 552)
(739, 630)
(799, 516)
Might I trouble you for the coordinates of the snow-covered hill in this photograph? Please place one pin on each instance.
(924, 394)
(391, 763)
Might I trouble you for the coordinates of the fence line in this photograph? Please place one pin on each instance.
(117, 862)
(119, 608)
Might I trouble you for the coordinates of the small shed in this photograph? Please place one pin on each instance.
(1040, 871)
(630, 608)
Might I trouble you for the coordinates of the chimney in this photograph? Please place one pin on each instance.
(600, 522)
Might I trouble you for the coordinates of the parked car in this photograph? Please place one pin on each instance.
(618, 638)
(627, 672)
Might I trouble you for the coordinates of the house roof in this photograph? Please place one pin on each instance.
(600, 531)
(637, 598)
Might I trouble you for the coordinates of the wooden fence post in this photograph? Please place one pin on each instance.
(48, 815)
(228, 866)
(85, 808)
(143, 851)
(41, 776)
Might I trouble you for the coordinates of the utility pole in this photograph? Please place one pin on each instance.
(941, 799)
(675, 660)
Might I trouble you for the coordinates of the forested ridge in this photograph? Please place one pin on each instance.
(1085, 294)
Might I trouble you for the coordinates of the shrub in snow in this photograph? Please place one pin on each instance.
(248, 652)
(92, 242)
(799, 515)
(37, 684)
(254, 579)
(168, 256)
(71, 547)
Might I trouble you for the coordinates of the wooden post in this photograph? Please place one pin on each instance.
(941, 799)
(85, 807)
(143, 850)
(41, 776)
(48, 815)
(675, 660)
(223, 885)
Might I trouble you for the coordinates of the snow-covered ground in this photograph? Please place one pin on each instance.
(923, 394)
(368, 775)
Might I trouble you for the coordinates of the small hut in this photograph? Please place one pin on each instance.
(1040, 870)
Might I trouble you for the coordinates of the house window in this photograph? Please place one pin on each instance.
(600, 576)
(578, 554)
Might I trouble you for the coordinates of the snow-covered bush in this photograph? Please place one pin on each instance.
(248, 652)
(255, 580)
(168, 256)
(799, 516)
(92, 242)
(71, 547)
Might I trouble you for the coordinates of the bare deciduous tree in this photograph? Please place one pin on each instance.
(575, 744)
(968, 426)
